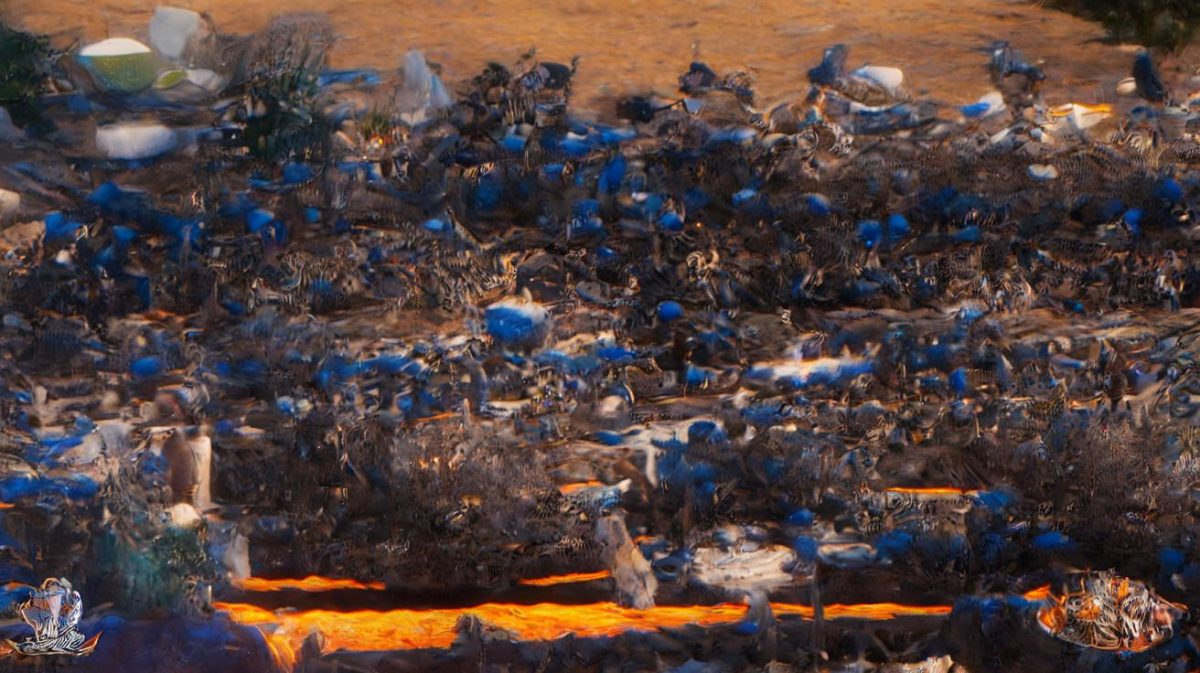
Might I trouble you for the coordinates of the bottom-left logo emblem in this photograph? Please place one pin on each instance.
(54, 611)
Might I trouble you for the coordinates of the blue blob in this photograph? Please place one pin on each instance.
(898, 225)
(286, 406)
(958, 382)
(73, 486)
(488, 193)
(969, 234)
(669, 311)
(294, 174)
(513, 142)
(1169, 190)
(833, 62)
(509, 325)
(818, 204)
(806, 548)
(611, 176)
(1171, 559)
(312, 215)
(744, 196)
(1133, 220)
(670, 221)
(801, 517)
(975, 110)
(435, 225)
(893, 544)
(994, 500)
(616, 354)
(870, 232)
(59, 228)
(702, 431)
(609, 438)
(1051, 540)
(746, 627)
(258, 219)
(146, 367)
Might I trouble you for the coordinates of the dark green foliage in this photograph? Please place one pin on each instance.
(24, 64)
(1169, 24)
(147, 576)
(288, 125)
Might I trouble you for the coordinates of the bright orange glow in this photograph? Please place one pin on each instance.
(930, 491)
(6, 505)
(366, 630)
(311, 583)
(569, 578)
(567, 489)
(1039, 594)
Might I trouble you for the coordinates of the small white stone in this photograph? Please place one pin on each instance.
(889, 79)
(1042, 172)
(183, 515)
(9, 203)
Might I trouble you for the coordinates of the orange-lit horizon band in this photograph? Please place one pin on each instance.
(367, 630)
(310, 583)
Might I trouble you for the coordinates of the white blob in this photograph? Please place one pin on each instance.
(134, 141)
(183, 515)
(171, 29)
(9, 203)
(205, 79)
(116, 46)
(889, 79)
(1042, 171)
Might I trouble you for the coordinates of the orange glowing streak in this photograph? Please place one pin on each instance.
(567, 489)
(932, 491)
(6, 505)
(1039, 594)
(311, 583)
(569, 578)
(369, 630)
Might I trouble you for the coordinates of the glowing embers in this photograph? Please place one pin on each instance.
(569, 578)
(933, 492)
(1107, 612)
(311, 583)
(1039, 594)
(568, 489)
(367, 630)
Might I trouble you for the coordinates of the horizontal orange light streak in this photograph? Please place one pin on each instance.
(1039, 594)
(567, 489)
(569, 578)
(935, 491)
(6, 505)
(369, 630)
(310, 583)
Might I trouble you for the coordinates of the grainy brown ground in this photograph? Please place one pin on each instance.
(634, 44)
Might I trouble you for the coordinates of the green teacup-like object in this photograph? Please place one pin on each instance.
(121, 64)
